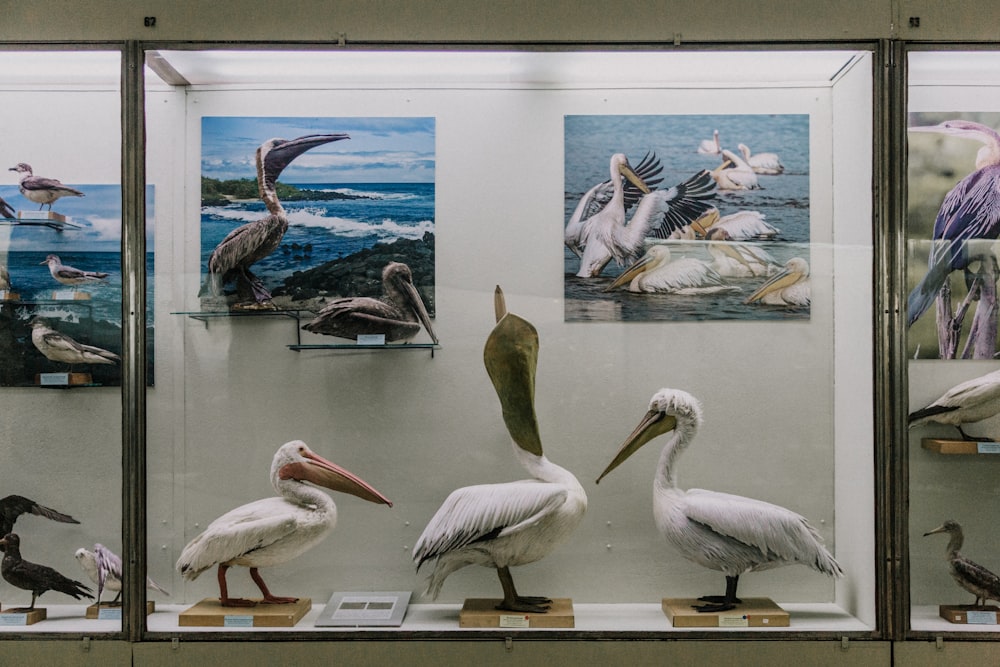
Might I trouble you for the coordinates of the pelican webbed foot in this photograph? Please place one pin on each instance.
(514, 602)
(716, 603)
(973, 438)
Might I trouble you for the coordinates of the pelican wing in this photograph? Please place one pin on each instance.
(42, 183)
(670, 210)
(976, 575)
(772, 529)
(483, 512)
(238, 532)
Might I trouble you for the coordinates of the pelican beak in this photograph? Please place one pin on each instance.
(630, 273)
(511, 358)
(327, 474)
(634, 178)
(939, 529)
(654, 423)
(281, 152)
(776, 282)
(732, 252)
(417, 306)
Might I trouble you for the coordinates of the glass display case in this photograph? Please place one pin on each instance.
(951, 339)
(60, 335)
(468, 167)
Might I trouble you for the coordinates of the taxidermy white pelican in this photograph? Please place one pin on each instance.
(967, 402)
(710, 146)
(741, 226)
(734, 173)
(790, 287)
(656, 215)
(275, 530)
(504, 525)
(252, 242)
(968, 574)
(654, 272)
(397, 314)
(761, 163)
(718, 531)
(737, 260)
(104, 568)
(611, 198)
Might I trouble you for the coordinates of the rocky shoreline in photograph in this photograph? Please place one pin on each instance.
(220, 193)
(360, 274)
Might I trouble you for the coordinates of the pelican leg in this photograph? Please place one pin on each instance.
(972, 438)
(224, 598)
(268, 598)
(514, 602)
(721, 602)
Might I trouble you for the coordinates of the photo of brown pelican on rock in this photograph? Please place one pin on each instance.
(515, 523)
(275, 530)
(396, 315)
(249, 243)
(42, 191)
(719, 531)
(33, 577)
(971, 576)
(104, 568)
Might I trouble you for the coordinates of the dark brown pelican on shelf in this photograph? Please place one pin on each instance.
(13, 506)
(34, 577)
(516, 523)
(971, 576)
(43, 191)
(249, 243)
(397, 314)
(61, 348)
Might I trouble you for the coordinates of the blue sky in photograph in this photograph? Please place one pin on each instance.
(380, 150)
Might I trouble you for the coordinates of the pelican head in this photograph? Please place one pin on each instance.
(796, 270)
(294, 461)
(655, 257)
(669, 409)
(967, 129)
(621, 166)
(397, 280)
(275, 154)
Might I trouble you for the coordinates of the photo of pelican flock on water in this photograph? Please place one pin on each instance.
(687, 217)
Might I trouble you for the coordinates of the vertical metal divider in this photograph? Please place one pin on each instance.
(133, 341)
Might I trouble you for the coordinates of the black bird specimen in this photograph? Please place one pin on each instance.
(252, 242)
(34, 577)
(970, 575)
(13, 506)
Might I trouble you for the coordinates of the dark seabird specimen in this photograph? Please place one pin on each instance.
(61, 348)
(11, 507)
(398, 313)
(42, 190)
(72, 276)
(34, 577)
(232, 258)
(971, 576)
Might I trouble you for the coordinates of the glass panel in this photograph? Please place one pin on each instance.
(60, 337)
(468, 167)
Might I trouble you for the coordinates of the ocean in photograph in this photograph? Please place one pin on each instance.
(783, 199)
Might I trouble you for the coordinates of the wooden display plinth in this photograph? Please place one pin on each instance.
(70, 295)
(960, 446)
(109, 608)
(482, 613)
(22, 616)
(751, 613)
(7, 295)
(50, 216)
(63, 379)
(968, 614)
(209, 613)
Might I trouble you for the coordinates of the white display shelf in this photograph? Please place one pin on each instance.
(68, 618)
(925, 618)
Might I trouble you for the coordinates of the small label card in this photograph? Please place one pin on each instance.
(361, 609)
(981, 617)
(371, 339)
(53, 379)
(514, 621)
(733, 621)
(234, 621)
(13, 619)
(109, 614)
(988, 448)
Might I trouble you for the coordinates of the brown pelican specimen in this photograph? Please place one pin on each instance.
(42, 190)
(790, 287)
(971, 576)
(762, 163)
(61, 348)
(967, 402)
(611, 198)
(719, 531)
(34, 577)
(504, 525)
(13, 506)
(68, 275)
(104, 568)
(249, 243)
(275, 530)
(971, 210)
(397, 314)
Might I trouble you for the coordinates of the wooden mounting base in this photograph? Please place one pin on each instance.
(209, 613)
(93, 611)
(41, 215)
(30, 616)
(969, 614)
(7, 295)
(960, 446)
(482, 613)
(751, 613)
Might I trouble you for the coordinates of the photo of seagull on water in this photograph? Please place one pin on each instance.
(72, 276)
(63, 349)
